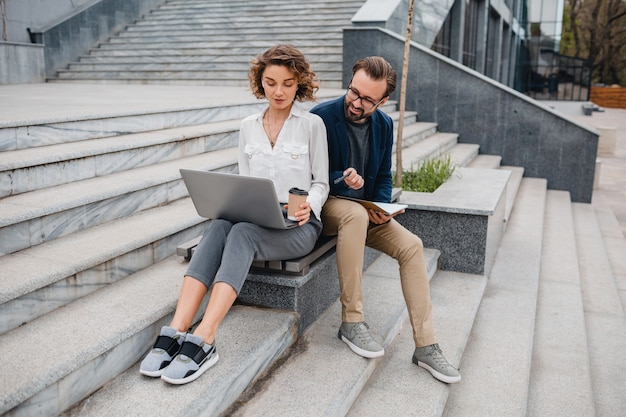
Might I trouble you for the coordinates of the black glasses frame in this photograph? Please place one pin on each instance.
(365, 102)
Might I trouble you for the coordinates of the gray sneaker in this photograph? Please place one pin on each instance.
(167, 345)
(431, 359)
(357, 336)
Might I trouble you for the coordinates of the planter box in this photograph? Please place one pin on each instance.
(463, 218)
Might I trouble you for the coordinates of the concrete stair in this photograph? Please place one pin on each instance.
(101, 247)
(212, 42)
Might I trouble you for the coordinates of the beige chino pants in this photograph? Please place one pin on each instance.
(350, 222)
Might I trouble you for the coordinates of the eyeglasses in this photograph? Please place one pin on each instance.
(367, 103)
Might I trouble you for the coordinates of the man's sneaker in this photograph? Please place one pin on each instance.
(431, 358)
(358, 337)
(194, 358)
(167, 345)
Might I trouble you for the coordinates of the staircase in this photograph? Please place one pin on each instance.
(212, 42)
(92, 208)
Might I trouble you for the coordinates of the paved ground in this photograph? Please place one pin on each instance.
(57, 102)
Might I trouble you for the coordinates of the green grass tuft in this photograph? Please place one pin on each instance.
(430, 174)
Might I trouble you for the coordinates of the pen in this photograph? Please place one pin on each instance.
(343, 177)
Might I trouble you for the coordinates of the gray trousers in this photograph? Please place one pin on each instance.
(227, 250)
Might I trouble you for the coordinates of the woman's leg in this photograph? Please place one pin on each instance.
(222, 298)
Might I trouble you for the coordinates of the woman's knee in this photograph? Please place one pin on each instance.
(220, 226)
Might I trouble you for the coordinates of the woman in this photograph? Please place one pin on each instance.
(285, 144)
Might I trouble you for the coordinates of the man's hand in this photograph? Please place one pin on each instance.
(353, 180)
(377, 217)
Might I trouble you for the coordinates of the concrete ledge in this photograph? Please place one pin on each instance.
(464, 218)
(21, 63)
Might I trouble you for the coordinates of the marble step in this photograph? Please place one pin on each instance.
(35, 168)
(43, 215)
(334, 374)
(560, 338)
(259, 29)
(243, 20)
(462, 154)
(183, 66)
(504, 326)
(172, 82)
(517, 173)
(316, 59)
(296, 10)
(604, 312)
(137, 396)
(234, 43)
(432, 146)
(615, 244)
(214, 50)
(455, 297)
(75, 351)
(293, 37)
(232, 76)
(241, 3)
(485, 161)
(413, 132)
(56, 273)
(254, 7)
(110, 121)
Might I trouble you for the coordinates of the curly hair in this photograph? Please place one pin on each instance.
(290, 57)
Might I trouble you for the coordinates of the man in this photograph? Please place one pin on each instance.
(360, 139)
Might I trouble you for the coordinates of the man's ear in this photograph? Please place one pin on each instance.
(385, 100)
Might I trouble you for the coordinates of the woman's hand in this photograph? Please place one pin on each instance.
(304, 214)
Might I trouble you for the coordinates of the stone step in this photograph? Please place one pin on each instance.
(321, 69)
(259, 29)
(41, 167)
(108, 120)
(485, 161)
(244, 20)
(261, 9)
(316, 60)
(76, 350)
(432, 146)
(517, 173)
(39, 216)
(504, 325)
(334, 374)
(215, 50)
(58, 272)
(455, 297)
(560, 339)
(295, 37)
(259, 45)
(462, 153)
(223, 74)
(615, 244)
(604, 313)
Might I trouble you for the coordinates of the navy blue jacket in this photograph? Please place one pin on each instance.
(377, 173)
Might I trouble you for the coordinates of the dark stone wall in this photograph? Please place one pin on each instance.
(482, 111)
(65, 41)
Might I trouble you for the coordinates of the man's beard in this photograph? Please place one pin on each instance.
(350, 116)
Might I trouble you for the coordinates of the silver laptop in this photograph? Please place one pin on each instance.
(237, 198)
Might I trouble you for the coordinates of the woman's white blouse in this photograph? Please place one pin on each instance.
(299, 158)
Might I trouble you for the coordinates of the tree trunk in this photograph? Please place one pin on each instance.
(405, 69)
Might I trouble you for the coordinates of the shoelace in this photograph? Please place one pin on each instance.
(360, 331)
(437, 356)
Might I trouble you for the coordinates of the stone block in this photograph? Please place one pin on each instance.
(463, 218)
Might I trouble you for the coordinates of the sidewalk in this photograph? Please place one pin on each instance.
(611, 190)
